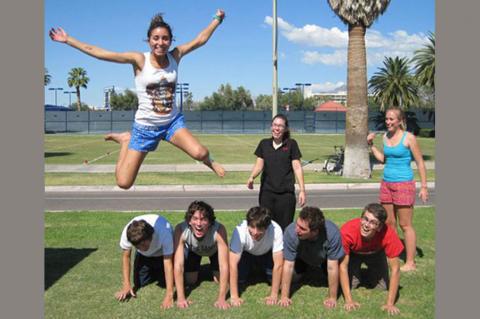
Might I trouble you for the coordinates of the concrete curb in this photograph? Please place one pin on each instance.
(212, 188)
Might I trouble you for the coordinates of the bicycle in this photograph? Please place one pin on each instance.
(333, 165)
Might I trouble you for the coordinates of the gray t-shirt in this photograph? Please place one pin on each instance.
(243, 241)
(313, 252)
(206, 246)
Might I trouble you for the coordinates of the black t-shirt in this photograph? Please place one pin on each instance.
(278, 175)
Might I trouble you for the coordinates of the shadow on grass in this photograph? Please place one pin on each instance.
(58, 261)
(403, 254)
(56, 154)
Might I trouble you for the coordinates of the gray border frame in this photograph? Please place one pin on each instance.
(457, 175)
(21, 169)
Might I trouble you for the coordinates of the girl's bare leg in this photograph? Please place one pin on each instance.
(391, 216)
(128, 162)
(405, 218)
(185, 141)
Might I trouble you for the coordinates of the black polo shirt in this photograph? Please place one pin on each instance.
(278, 175)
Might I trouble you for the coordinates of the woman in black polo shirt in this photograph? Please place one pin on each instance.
(279, 159)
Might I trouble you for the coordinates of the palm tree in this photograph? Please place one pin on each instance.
(424, 65)
(46, 78)
(77, 77)
(424, 61)
(393, 85)
(358, 15)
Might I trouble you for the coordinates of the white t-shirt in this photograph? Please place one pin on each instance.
(162, 238)
(243, 241)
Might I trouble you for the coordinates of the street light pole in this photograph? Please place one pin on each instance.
(182, 88)
(302, 86)
(55, 89)
(275, 62)
(69, 97)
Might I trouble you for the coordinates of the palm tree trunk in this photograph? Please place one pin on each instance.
(357, 160)
(79, 103)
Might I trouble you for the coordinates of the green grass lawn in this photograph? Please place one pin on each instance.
(226, 148)
(197, 178)
(83, 271)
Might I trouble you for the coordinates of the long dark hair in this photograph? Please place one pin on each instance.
(157, 22)
(286, 134)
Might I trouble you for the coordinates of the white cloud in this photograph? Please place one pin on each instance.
(326, 87)
(338, 57)
(398, 43)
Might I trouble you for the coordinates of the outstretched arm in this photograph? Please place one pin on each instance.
(390, 307)
(178, 268)
(134, 58)
(350, 304)
(222, 244)
(201, 38)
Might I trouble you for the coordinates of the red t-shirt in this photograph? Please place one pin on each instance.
(386, 239)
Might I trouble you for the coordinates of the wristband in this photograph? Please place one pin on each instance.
(216, 17)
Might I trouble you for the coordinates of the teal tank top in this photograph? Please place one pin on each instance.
(397, 162)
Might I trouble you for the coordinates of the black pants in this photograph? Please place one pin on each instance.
(147, 270)
(281, 205)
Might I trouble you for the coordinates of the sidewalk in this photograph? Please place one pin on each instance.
(198, 167)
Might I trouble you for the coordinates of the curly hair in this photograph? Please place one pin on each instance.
(204, 208)
(157, 22)
(315, 218)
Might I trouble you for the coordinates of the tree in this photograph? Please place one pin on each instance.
(393, 85)
(46, 78)
(77, 77)
(358, 15)
(227, 98)
(125, 101)
(424, 63)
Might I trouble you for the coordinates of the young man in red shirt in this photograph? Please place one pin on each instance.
(369, 240)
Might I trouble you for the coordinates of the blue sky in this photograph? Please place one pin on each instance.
(312, 42)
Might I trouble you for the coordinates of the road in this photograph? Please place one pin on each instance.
(179, 201)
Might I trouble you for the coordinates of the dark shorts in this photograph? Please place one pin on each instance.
(376, 274)
(248, 262)
(147, 270)
(145, 138)
(193, 261)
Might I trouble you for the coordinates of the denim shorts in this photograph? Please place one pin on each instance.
(145, 138)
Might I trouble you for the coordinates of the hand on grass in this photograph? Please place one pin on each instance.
(285, 302)
(183, 303)
(330, 303)
(271, 300)
(124, 293)
(351, 305)
(167, 302)
(221, 304)
(391, 309)
(236, 301)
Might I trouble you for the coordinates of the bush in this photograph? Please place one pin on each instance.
(426, 132)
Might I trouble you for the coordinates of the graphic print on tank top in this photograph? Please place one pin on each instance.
(162, 95)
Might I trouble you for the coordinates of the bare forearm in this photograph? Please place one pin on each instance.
(126, 271)
(332, 281)
(377, 154)
(286, 279)
(222, 291)
(179, 283)
(345, 283)
(276, 278)
(168, 266)
(234, 280)
(393, 286)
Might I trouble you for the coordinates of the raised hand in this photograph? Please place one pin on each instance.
(58, 35)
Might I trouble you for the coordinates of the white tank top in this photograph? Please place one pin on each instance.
(156, 93)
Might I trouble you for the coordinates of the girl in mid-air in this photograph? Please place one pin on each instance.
(158, 116)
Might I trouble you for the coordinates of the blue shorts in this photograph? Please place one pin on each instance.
(145, 138)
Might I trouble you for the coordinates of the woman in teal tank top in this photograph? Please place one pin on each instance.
(397, 189)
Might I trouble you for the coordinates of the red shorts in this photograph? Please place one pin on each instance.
(397, 193)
